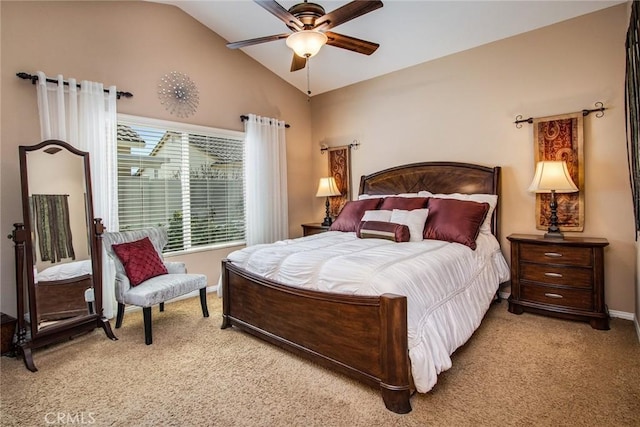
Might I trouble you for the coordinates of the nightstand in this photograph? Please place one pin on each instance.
(315, 228)
(559, 277)
(8, 330)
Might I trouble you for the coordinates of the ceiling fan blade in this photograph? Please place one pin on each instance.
(281, 13)
(351, 43)
(298, 62)
(346, 13)
(251, 42)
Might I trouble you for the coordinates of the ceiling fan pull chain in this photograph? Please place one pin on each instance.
(308, 84)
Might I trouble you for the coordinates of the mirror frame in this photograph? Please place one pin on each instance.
(65, 328)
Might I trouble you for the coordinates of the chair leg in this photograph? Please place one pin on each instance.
(120, 315)
(146, 313)
(161, 306)
(203, 302)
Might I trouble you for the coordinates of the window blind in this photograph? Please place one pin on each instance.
(189, 179)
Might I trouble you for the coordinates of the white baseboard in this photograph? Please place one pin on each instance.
(637, 328)
(622, 315)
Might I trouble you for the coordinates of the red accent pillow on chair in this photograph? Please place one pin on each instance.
(140, 260)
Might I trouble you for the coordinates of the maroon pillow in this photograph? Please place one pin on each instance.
(140, 260)
(454, 220)
(351, 214)
(404, 203)
(383, 230)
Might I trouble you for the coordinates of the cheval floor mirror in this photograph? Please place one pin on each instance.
(58, 250)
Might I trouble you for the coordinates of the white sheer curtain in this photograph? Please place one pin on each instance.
(266, 175)
(87, 119)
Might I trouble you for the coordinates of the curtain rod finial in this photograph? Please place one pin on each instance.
(27, 76)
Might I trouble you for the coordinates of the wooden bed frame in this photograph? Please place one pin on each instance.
(364, 337)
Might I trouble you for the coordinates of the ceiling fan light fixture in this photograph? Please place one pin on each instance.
(306, 43)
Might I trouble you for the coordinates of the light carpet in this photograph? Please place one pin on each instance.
(525, 370)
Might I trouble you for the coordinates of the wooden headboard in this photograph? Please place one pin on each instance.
(436, 177)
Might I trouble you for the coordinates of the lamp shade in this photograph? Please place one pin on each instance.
(306, 43)
(327, 187)
(552, 175)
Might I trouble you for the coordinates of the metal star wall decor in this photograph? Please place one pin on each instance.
(179, 94)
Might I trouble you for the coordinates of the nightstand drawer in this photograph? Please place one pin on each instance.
(572, 298)
(556, 254)
(578, 277)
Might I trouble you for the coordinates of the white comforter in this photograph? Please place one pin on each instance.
(448, 286)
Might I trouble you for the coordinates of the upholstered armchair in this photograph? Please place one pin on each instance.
(143, 278)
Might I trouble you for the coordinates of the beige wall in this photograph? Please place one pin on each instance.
(132, 45)
(462, 108)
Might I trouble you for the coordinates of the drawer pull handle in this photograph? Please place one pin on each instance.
(552, 254)
(550, 295)
(553, 274)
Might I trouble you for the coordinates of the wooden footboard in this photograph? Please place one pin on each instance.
(360, 336)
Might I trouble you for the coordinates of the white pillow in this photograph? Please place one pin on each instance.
(414, 219)
(491, 199)
(377, 215)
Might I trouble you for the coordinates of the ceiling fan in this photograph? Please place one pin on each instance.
(309, 23)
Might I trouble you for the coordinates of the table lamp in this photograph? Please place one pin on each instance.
(552, 176)
(327, 188)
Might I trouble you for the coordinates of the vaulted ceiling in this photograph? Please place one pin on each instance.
(409, 33)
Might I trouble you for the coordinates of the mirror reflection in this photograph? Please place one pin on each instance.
(60, 235)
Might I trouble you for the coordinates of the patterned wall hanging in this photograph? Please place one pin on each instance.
(561, 138)
(340, 169)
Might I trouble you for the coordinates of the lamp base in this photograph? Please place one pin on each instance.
(553, 232)
(554, 235)
(327, 218)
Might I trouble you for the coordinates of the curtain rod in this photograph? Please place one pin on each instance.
(355, 144)
(34, 79)
(599, 108)
(243, 118)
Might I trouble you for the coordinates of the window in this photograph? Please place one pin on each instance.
(185, 177)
